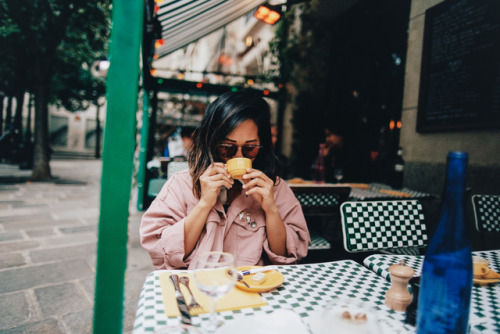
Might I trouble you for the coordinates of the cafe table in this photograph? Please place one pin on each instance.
(485, 301)
(380, 191)
(306, 289)
(362, 191)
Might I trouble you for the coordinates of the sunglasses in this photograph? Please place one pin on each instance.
(228, 150)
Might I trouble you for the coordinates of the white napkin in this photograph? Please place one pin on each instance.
(279, 321)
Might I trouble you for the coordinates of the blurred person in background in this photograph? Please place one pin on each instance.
(346, 160)
(187, 139)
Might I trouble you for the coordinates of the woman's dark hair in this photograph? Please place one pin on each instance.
(221, 117)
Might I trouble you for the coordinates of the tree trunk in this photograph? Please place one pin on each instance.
(28, 133)
(17, 129)
(18, 116)
(6, 143)
(8, 113)
(2, 98)
(41, 156)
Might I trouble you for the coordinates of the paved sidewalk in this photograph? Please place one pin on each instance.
(48, 237)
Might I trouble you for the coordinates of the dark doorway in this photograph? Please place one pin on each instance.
(356, 64)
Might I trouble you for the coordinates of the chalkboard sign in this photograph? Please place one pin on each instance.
(460, 76)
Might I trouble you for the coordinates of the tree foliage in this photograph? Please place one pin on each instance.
(48, 46)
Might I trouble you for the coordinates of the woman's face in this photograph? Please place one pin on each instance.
(246, 133)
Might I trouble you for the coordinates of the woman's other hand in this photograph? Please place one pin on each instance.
(211, 181)
(261, 187)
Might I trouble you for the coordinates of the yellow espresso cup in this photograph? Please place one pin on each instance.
(480, 266)
(237, 167)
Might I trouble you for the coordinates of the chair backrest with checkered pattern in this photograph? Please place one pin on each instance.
(377, 225)
(486, 212)
(321, 200)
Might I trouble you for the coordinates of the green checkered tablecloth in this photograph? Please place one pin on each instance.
(307, 288)
(485, 306)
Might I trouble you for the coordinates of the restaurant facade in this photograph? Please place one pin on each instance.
(425, 142)
(425, 149)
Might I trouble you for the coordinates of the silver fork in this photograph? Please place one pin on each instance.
(193, 304)
(239, 277)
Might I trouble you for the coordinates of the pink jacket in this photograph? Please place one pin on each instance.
(241, 232)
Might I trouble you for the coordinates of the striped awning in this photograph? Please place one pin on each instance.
(185, 21)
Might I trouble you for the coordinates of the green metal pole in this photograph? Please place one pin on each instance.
(118, 153)
(141, 173)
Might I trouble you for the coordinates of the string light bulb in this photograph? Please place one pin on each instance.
(159, 43)
(268, 14)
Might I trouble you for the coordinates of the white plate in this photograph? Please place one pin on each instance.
(279, 321)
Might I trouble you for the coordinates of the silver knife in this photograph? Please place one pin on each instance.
(181, 302)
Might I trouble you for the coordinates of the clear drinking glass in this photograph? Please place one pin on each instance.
(215, 275)
(338, 174)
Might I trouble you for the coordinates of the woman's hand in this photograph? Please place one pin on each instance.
(211, 181)
(261, 187)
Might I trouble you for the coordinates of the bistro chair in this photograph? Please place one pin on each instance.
(394, 227)
(322, 201)
(486, 212)
(156, 184)
(176, 166)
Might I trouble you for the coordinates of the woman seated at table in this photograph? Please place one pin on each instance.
(204, 209)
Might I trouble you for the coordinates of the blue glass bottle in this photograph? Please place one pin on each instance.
(446, 281)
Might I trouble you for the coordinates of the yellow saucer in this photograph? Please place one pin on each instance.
(485, 281)
(273, 279)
